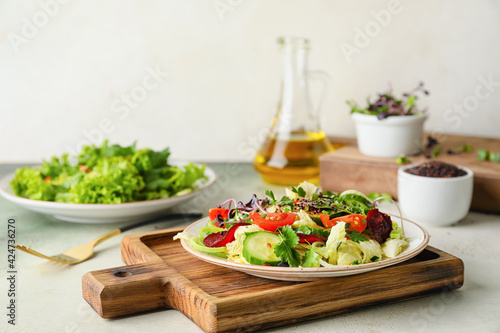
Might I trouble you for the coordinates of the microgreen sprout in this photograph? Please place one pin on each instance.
(387, 105)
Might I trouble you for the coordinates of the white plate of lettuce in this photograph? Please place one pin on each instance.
(107, 184)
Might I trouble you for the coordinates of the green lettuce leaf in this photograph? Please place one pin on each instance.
(311, 259)
(108, 174)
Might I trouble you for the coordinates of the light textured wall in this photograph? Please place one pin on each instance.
(203, 76)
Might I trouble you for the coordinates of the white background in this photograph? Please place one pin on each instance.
(65, 67)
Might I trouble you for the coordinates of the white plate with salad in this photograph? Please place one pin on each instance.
(307, 235)
(107, 184)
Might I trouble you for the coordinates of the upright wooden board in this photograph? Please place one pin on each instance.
(160, 274)
(346, 168)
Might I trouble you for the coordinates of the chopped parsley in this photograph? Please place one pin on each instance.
(286, 248)
(286, 201)
(356, 236)
(270, 194)
(299, 190)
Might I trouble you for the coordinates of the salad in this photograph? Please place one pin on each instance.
(109, 174)
(387, 105)
(307, 227)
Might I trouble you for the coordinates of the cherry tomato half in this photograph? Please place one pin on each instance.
(83, 168)
(214, 212)
(273, 221)
(357, 221)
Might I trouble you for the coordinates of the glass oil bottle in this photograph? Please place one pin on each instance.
(295, 140)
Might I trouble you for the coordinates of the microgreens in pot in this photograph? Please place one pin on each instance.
(387, 105)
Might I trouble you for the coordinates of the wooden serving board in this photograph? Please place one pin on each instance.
(346, 168)
(160, 274)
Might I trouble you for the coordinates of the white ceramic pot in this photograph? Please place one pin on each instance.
(432, 201)
(389, 137)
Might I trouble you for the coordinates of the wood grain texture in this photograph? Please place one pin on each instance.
(160, 274)
(347, 168)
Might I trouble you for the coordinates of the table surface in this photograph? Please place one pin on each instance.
(49, 294)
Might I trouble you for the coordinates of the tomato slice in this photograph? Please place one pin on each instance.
(325, 219)
(357, 221)
(214, 212)
(273, 221)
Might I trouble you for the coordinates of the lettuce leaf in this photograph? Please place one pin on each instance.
(349, 254)
(311, 259)
(371, 250)
(329, 251)
(393, 247)
(108, 174)
(29, 183)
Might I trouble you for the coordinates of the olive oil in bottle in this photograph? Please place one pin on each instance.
(289, 162)
(295, 141)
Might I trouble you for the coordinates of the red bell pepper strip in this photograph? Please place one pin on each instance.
(219, 239)
(311, 238)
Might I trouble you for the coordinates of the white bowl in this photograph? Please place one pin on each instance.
(389, 137)
(434, 201)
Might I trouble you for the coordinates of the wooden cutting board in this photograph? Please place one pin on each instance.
(346, 168)
(160, 274)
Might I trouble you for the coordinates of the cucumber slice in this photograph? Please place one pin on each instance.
(316, 219)
(258, 248)
(194, 243)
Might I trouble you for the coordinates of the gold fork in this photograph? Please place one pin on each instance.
(81, 253)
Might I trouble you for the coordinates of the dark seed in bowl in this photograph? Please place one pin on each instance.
(436, 169)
